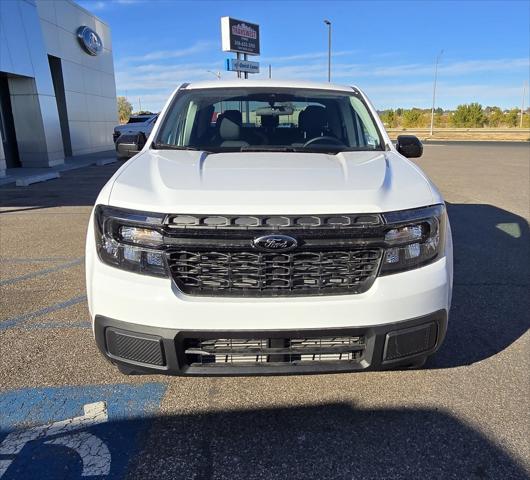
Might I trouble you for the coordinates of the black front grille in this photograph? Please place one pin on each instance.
(251, 273)
(211, 352)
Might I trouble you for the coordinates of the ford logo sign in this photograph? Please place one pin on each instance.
(89, 40)
(275, 243)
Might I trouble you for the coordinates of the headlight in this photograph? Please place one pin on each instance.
(130, 240)
(413, 238)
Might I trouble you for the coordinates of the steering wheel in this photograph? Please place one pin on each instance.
(327, 138)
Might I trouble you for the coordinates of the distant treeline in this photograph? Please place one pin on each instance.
(470, 115)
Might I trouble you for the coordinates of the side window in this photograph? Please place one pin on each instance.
(174, 131)
(366, 130)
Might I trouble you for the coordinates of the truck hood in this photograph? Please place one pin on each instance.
(270, 183)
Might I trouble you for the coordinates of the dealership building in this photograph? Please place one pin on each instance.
(57, 86)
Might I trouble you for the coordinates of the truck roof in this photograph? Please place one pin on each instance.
(239, 82)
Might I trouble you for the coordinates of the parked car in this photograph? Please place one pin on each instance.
(124, 134)
(246, 248)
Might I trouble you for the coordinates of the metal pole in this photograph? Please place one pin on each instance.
(270, 71)
(328, 23)
(245, 57)
(238, 56)
(522, 105)
(247, 105)
(434, 88)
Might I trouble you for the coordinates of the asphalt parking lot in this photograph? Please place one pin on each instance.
(66, 413)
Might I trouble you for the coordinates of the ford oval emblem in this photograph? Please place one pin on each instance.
(89, 40)
(275, 243)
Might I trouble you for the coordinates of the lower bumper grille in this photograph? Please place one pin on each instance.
(271, 351)
(248, 273)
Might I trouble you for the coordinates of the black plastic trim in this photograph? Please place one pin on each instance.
(172, 340)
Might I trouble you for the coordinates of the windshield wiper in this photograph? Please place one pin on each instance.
(169, 146)
(266, 148)
(311, 149)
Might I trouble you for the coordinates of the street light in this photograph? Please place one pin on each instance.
(217, 74)
(434, 88)
(328, 23)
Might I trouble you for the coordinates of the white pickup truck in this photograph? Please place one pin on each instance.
(269, 227)
(126, 136)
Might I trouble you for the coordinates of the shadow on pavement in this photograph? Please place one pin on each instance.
(490, 296)
(75, 188)
(331, 441)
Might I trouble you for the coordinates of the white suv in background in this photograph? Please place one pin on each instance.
(269, 227)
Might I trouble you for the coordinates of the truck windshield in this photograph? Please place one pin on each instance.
(264, 119)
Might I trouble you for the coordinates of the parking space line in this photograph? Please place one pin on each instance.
(46, 271)
(93, 414)
(75, 431)
(35, 260)
(11, 322)
(43, 325)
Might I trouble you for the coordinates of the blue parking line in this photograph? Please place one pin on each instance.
(75, 432)
(39, 273)
(13, 321)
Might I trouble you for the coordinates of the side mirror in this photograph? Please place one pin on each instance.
(141, 140)
(409, 146)
(129, 145)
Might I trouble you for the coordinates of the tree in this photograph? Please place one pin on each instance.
(495, 117)
(440, 120)
(511, 117)
(124, 109)
(469, 115)
(389, 118)
(413, 118)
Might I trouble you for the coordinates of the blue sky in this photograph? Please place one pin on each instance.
(385, 47)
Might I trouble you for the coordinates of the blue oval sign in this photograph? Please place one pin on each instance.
(89, 40)
(275, 243)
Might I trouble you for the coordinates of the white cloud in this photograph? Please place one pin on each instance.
(93, 5)
(147, 78)
(306, 56)
(455, 68)
(154, 75)
(448, 95)
(168, 54)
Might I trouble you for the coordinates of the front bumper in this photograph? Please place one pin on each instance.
(145, 349)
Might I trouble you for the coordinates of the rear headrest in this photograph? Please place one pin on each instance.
(229, 129)
(269, 121)
(313, 118)
(234, 115)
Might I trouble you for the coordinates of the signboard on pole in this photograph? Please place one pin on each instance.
(239, 36)
(238, 65)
